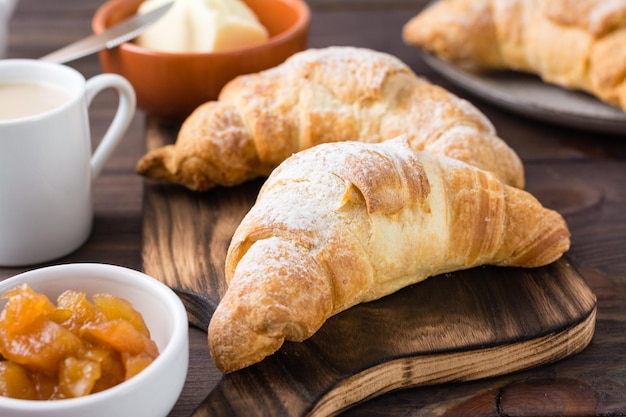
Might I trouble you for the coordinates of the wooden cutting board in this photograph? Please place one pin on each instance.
(462, 326)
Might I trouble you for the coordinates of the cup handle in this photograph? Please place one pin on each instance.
(121, 120)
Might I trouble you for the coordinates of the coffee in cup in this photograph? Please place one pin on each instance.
(27, 98)
(47, 167)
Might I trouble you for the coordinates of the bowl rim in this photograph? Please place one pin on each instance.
(178, 340)
(302, 22)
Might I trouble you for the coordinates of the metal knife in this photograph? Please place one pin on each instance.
(110, 38)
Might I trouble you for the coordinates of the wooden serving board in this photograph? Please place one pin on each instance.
(462, 326)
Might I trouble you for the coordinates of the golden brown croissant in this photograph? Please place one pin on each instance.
(317, 96)
(577, 44)
(349, 222)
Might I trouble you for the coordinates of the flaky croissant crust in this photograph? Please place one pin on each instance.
(577, 44)
(345, 223)
(318, 96)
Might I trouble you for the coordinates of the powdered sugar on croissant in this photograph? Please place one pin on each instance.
(577, 44)
(349, 222)
(323, 95)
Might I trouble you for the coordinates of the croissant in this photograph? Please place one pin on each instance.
(317, 96)
(350, 222)
(577, 44)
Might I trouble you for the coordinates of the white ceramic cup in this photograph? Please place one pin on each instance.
(47, 167)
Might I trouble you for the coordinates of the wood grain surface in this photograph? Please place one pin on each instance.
(461, 326)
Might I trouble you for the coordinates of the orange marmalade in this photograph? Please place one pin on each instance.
(70, 349)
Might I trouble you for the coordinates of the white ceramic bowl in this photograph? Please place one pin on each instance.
(154, 391)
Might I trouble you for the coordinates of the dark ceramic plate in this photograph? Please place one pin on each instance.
(528, 95)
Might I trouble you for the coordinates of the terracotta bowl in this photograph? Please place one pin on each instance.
(171, 85)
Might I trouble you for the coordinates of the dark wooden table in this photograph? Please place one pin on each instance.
(581, 174)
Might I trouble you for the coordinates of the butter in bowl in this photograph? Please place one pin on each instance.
(173, 71)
